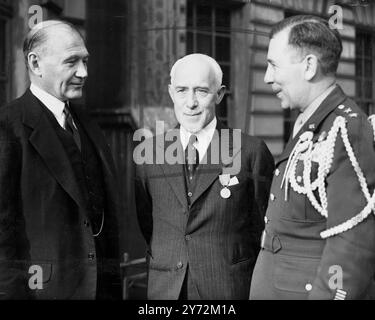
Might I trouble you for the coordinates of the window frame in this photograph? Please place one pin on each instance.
(367, 104)
(215, 32)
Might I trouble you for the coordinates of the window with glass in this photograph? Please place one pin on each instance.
(208, 32)
(364, 69)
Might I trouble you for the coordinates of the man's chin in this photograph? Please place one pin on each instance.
(285, 105)
(192, 128)
(74, 94)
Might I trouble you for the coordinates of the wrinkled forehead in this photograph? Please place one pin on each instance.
(194, 70)
(279, 41)
(61, 39)
(63, 32)
(279, 47)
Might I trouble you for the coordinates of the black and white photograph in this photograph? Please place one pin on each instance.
(181, 156)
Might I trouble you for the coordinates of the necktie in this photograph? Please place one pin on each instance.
(191, 157)
(70, 127)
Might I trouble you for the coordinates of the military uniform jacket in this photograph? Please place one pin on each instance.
(317, 244)
(217, 238)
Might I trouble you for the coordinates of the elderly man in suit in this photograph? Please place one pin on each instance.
(319, 239)
(58, 204)
(202, 216)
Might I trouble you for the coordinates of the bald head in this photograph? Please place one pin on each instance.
(196, 61)
(38, 36)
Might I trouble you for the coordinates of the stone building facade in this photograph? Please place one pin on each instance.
(133, 45)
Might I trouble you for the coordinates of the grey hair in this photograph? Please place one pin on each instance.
(210, 61)
(38, 35)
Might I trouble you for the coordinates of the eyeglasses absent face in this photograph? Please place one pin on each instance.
(195, 94)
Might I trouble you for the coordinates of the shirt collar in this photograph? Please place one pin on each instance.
(204, 137)
(313, 106)
(55, 105)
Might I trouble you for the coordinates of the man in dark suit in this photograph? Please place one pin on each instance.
(202, 214)
(319, 239)
(58, 204)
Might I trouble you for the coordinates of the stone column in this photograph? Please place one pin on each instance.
(157, 40)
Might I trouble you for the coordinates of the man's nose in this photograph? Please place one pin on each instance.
(268, 77)
(81, 70)
(191, 100)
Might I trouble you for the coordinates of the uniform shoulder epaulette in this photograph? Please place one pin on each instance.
(346, 111)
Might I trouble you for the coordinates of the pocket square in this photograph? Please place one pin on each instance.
(233, 181)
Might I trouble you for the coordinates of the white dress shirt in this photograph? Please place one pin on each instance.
(204, 137)
(55, 105)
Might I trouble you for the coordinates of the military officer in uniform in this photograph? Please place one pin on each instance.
(319, 237)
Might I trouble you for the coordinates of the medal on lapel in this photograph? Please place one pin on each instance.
(224, 180)
(225, 193)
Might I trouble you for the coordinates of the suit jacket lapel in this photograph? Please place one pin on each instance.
(174, 173)
(330, 103)
(97, 140)
(213, 163)
(47, 144)
(206, 173)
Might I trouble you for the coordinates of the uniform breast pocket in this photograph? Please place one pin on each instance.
(295, 274)
(299, 172)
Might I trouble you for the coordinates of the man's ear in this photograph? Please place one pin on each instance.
(220, 94)
(33, 63)
(311, 67)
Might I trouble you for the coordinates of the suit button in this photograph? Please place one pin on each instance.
(188, 237)
(180, 265)
(272, 197)
(277, 172)
(91, 256)
(190, 194)
(308, 286)
(266, 219)
(86, 223)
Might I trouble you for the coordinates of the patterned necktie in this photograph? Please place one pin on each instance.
(191, 157)
(70, 127)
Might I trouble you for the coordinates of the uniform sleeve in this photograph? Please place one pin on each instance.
(348, 261)
(13, 280)
(262, 166)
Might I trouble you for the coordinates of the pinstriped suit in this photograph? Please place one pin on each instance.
(217, 238)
